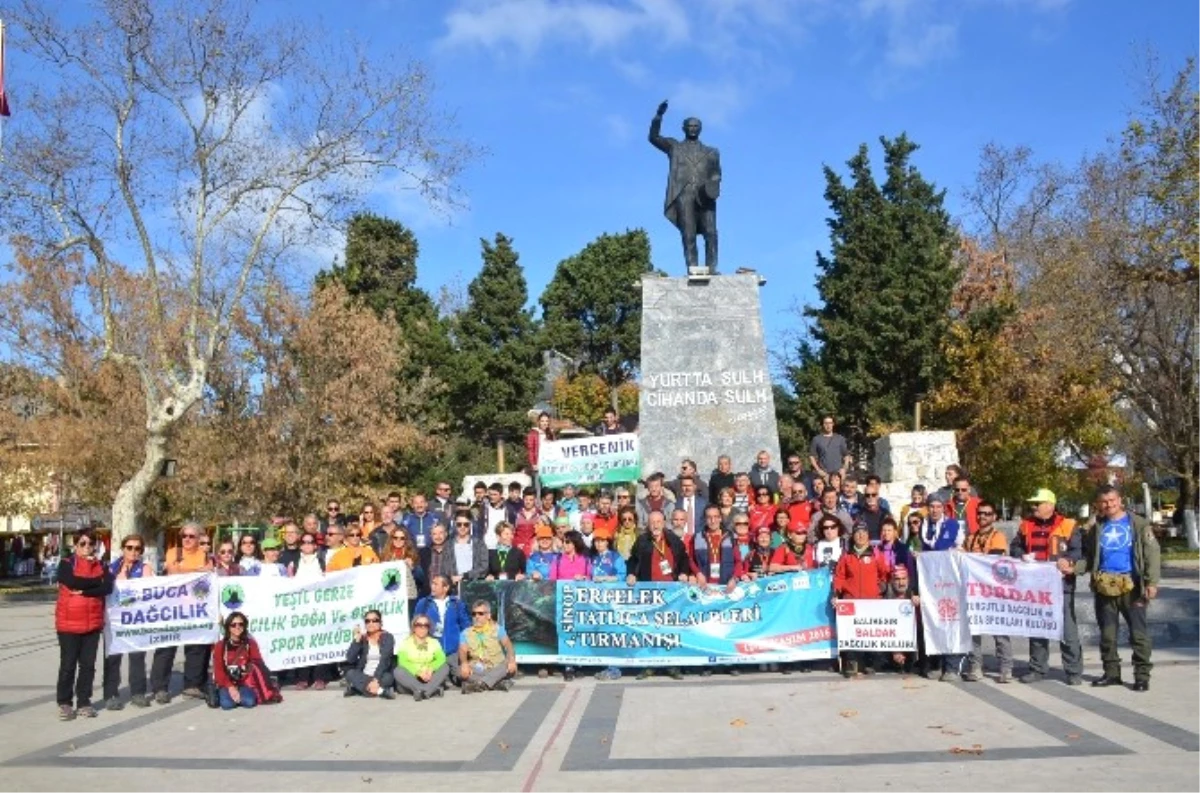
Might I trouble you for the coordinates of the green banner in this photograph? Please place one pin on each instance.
(600, 459)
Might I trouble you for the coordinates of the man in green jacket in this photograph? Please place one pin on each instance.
(1123, 557)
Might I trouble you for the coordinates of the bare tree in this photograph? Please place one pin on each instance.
(193, 146)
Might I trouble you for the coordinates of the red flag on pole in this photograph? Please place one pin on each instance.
(4, 111)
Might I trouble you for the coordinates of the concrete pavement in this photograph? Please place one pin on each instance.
(756, 732)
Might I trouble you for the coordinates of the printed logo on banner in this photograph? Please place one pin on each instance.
(1005, 571)
(906, 608)
(776, 586)
(201, 588)
(947, 608)
(845, 608)
(390, 580)
(126, 597)
(232, 597)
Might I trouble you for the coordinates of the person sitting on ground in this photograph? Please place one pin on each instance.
(487, 660)
(505, 562)
(860, 575)
(371, 660)
(540, 562)
(447, 615)
(83, 584)
(238, 669)
(421, 663)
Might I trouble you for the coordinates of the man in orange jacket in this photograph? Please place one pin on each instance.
(1045, 535)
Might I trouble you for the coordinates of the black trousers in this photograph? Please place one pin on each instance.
(77, 667)
(195, 666)
(112, 674)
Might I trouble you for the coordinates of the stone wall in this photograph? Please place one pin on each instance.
(904, 459)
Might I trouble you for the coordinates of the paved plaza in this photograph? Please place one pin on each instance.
(756, 732)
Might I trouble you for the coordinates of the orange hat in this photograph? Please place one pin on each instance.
(543, 531)
(603, 533)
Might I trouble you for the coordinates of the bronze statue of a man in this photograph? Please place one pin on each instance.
(693, 184)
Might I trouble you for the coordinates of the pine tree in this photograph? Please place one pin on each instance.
(877, 337)
(592, 308)
(498, 366)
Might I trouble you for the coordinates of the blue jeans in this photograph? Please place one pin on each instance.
(227, 703)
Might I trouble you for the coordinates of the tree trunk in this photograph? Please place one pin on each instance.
(127, 506)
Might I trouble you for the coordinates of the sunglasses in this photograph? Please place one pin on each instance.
(137, 548)
(309, 541)
(399, 537)
(461, 523)
(354, 535)
(83, 543)
(237, 624)
(369, 620)
(205, 544)
(480, 613)
(420, 624)
(764, 494)
(188, 536)
(983, 513)
(333, 509)
(226, 552)
(962, 490)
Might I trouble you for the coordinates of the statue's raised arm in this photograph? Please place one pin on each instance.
(656, 139)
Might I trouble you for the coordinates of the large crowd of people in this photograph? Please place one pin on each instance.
(734, 526)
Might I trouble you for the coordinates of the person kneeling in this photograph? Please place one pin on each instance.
(422, 668)
(486, 656)
(371, 660)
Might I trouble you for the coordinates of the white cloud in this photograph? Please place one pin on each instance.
(528, 24)
(911, 48)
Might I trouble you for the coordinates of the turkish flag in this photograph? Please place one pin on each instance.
(4, 111)
(845, 608)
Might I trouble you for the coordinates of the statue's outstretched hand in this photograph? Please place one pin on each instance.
(662, 108)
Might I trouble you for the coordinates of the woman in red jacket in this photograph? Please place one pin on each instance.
(540, 433)
(860, 575)
(83, 584)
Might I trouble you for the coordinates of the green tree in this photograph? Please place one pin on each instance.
(876, 339)
(592, 309)
(380, 269)
(498, 366)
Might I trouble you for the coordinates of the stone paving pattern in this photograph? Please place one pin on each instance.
(756, 732)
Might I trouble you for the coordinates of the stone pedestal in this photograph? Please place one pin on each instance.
(904, 459)
(705, 387)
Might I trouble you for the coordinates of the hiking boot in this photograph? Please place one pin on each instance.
(504, 685)
(644, 674)
(971, 677)
(568, 674)
(193, 693)
(86, 712)
(734, 672)
(1032, 677)
(675, 673)
(1005, 678)
(140, 701)
(162, 697)
(1074, 680)
(417, 696)
(66, 713)
(1107, 681)
(113, 703)
(1141, 685)
(946, 676)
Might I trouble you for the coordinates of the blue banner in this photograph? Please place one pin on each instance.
(773, 619)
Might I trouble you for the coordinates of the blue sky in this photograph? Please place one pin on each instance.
(560, 92)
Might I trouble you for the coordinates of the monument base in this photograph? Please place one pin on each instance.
(705, 388)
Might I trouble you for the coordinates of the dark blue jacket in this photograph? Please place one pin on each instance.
(947, 535)
(457, 621)
(700, 552)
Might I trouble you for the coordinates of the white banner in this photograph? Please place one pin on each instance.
(943, 603)
(1008, 597)
(165, 611)
(303, 624)
(877, 625)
